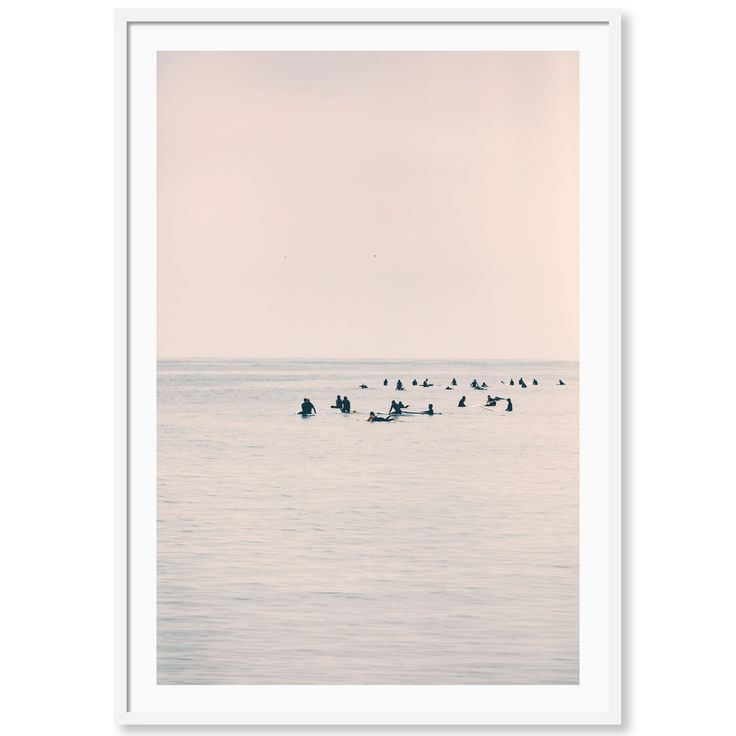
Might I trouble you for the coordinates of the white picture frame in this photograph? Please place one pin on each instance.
(597, 699)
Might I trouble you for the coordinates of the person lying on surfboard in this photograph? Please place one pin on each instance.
(374, 418)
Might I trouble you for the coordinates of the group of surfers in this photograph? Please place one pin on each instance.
(400, 386)
(490, 401)
(522, 383)
(473, 384)
(396, 410)
(343, 402)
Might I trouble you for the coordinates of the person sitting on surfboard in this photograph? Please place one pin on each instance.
(561, 383)
(484, 385)
(535, 382)
(474, 383)
(396, 407)
(511, 382)
(415, 382)
(454, 382)
(509, 406)
(399, 385)
(307, 408)
(362, 385)
(385, 381)
(490, 401)
(345, 405)
(338, 403)
(374, 418)
(461, 402)
(430, 410)
(426, 383)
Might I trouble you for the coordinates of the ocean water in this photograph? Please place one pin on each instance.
(435, 550)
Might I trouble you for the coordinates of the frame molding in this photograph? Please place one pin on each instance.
(124, 19)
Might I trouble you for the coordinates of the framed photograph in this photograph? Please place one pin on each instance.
(368, 318)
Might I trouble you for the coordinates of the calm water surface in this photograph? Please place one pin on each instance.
(429, 550)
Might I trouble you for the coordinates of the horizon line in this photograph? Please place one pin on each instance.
(384, 360)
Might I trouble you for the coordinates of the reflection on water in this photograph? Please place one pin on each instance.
(429, 550)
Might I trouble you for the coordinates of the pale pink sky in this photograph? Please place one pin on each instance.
(368, 204)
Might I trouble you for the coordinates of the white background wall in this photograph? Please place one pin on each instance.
(56, 312)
